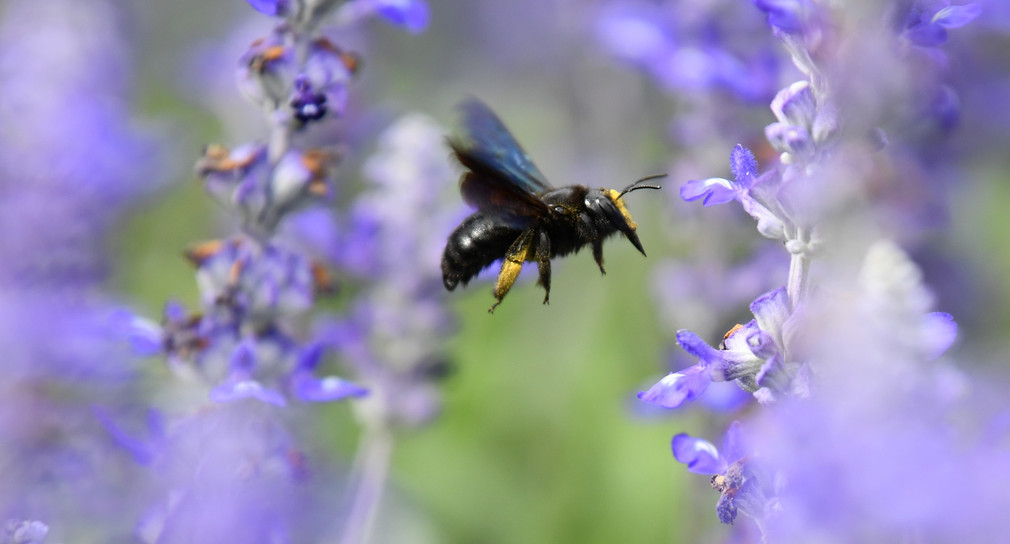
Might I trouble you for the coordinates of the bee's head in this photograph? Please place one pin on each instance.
(610, 204)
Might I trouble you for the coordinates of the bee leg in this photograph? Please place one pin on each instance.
(542, 254)
(517, 254)
(598, 255)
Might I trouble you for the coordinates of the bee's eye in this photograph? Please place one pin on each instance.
(558, 209)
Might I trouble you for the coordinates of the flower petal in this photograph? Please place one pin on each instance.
(939, 330)
(957, 16)
(795, 104)
(927, 34)
(269, 7)
(771, 310)
(733, 445)
(768, 224)
(241, 389)
(311, 356)
(413, 15)
(677, 388)
(700, 456)
(330, 388)
(787, 138)
(714, 191)
(697, 347)
(789, 16)
(144, 335)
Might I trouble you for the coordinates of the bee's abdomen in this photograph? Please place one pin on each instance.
(476, 243)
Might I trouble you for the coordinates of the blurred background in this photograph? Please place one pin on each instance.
(538, 440)
(539, 436)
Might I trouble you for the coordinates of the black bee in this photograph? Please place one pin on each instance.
(520, 217)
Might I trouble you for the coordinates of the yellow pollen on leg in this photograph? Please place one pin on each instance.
(509, 272)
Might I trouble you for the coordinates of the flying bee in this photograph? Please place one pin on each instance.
(519, 216)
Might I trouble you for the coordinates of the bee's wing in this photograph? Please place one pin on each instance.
(488, 194)
(502, 178)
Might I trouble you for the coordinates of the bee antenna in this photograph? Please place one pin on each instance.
(638, 184)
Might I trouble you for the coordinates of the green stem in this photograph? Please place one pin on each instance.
(371, 468)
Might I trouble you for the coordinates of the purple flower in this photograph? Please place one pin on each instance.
(267, 70)
(757, 194)
(309, 104)
(926, 26)
(144, 335)
(411, 15)
(274, 8)
(396, 235)
(263, 194)
(734, 362)
(715, 191)
(677, 388)
(789, 16)
(733, 474)
(939, 330)
(752, 355)
(259, 284)
(72, 162)
(230, 470)
(144, 451)
(690, 48)
(270, 76)
(702, 457)
(240, 383)
(308, 387)
(327, 71)
(23, 532)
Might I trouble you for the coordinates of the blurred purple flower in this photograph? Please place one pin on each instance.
(677, 388)
(240, 383)
(262, 192)
(710, 289)
(411, 15)
(789, 16)
(841, 449)
(230, 471)
(72, 161)
(395, 331)
(690, 48)
(270, 7)
(854, 362)
(310, 388)
(926, 23)
(733, 475)
(23, 532)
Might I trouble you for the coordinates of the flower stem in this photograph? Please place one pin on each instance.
(371, 467)
(799, 269)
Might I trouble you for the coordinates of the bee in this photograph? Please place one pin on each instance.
(520, 217)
